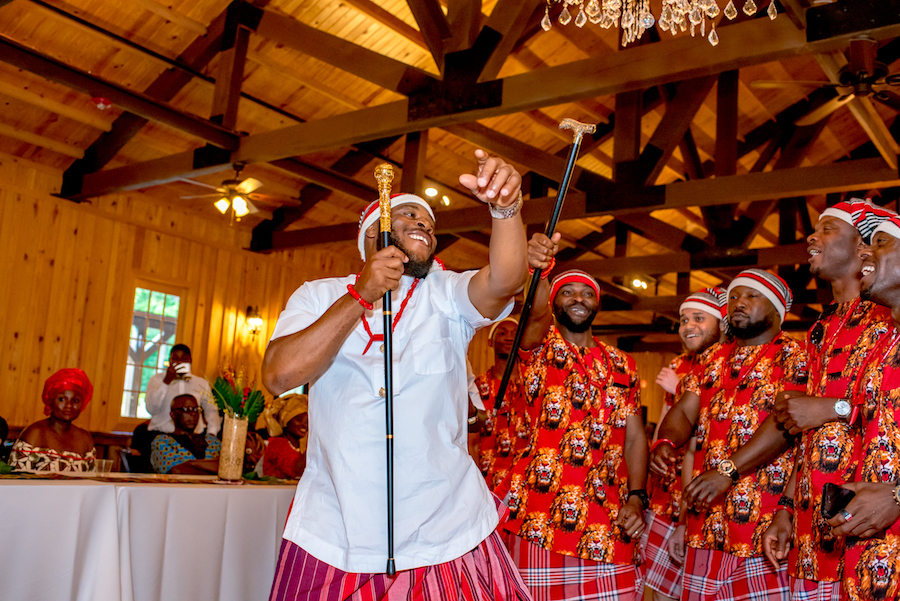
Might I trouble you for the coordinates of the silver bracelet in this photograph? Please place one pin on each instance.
(506, 212)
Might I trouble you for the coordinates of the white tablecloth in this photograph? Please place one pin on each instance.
(107, 541)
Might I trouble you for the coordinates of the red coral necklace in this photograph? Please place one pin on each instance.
(380, 337)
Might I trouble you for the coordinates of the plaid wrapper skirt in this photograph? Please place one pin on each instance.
(813, 590)
(715, 575)
(484, 574)
(660, 573)
(557, 577)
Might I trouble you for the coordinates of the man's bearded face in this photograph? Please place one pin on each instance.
(575, 306)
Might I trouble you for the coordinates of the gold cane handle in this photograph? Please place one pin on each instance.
(384, 175)
(578, 127)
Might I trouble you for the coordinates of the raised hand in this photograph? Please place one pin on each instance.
(668, 379)
(542, 249)
(495, 180)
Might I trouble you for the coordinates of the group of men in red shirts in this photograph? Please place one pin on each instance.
(760, 430)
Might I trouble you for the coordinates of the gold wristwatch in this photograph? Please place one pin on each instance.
(726, 468)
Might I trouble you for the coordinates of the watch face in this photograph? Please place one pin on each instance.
(842, 408)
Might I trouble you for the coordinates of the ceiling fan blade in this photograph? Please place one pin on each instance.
(201, 196)
(888, 98)
(772, 84)
(251, 207)
(196, 183)
(824, 111)
(248, 185)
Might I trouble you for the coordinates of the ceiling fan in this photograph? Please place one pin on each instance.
(863, 76)
(234, 194)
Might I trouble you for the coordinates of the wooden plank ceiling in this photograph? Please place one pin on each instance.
(695, 171)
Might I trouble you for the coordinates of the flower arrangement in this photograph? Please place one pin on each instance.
(235, 398)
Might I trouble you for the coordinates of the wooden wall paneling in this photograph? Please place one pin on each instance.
(229, 339)
(32, 274)
(193, 271)
(652, 395)
(216, 312)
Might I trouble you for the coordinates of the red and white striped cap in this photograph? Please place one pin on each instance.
(769, 285)
(889, 226)
(573, 275)
(712, 300)
(862, 214)
(372, 213)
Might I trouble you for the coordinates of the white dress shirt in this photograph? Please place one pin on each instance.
(442, 507)
(159, 402)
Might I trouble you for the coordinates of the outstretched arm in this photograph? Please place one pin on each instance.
(498, 183)
(298, 358)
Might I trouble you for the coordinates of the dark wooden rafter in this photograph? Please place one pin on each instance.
(752, 42)
(433, 25)
(510, 19)
(227, 94)
(671, 129)
(414, 153)
(792, 155)
(368, 65)
(464, 23)
(801, 181)
(165, 87)
(135, 102)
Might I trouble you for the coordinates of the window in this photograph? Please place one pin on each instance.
(154, 324)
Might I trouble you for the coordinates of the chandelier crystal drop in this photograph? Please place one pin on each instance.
(634, 17)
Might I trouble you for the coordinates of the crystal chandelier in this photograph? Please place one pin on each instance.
(634, 16)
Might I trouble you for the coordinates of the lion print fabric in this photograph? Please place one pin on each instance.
(510, 436)
(737, 391)
(849, 331)
(665, 491)
(565, 495)
(872, 566)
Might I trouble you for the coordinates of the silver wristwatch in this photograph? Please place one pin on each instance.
(842, 408)
(506, 212)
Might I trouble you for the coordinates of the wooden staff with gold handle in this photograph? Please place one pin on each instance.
(579, 129)
(384, 175)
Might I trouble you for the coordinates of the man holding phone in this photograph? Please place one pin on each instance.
(870, 519)
(827, 453)
(159, 395)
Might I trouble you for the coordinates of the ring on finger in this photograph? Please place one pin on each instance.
(846, 515)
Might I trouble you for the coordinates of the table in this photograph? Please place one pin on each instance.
(80, 539)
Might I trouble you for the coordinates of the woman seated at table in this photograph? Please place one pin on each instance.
(183, 451)
(56, 444)
(287, 421)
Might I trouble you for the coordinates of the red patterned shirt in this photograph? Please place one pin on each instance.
(737, 391)
(567, 494)
(502, 442)
(837, 349)
(871, 570)
(665, 491)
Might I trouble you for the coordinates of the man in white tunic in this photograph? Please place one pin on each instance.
(330, 335)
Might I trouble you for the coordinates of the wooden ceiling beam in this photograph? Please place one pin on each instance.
(232, 58)
(381, 70)
(125, 127)
(415, 151)
(60, 108)
(748, 43)
(390, 21)
(464, 21)
(509, 18)
(680, 111)
(134, 102)
(433, 25)
(42, 141)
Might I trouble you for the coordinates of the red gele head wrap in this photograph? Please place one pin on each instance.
(573, 275)
(70, 378)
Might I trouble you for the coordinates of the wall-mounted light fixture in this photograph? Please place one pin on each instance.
(254, 321)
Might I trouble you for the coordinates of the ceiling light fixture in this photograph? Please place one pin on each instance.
(431, 192)
(634, 16)
(445, 200)
(222, 205)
